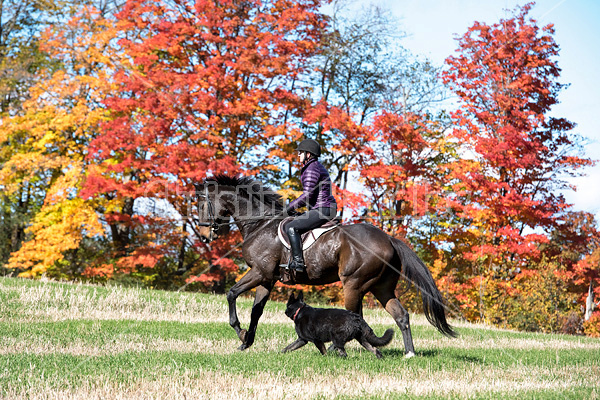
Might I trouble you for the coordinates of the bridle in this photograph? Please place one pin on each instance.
(212, 219)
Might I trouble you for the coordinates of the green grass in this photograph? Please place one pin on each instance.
(61, 340)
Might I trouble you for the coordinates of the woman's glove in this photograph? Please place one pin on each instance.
(290, 211)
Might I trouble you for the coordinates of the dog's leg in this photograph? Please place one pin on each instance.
(342, 351)
(321, 347)
(369, 347)
(340, 348)
(295, 346)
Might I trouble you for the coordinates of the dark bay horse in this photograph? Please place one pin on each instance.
(361, 256)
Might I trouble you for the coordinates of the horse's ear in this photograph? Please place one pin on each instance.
(301, 295)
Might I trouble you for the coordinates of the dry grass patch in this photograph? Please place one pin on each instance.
(82, 302)
(508, 343)
(477, 380)
(121, 344)
(76, 301)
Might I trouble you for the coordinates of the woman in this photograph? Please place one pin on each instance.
(316, 186)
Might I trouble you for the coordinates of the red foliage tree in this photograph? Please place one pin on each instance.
(405, 169)
(504, 190)
(203, 87)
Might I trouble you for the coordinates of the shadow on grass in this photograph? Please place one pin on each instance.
(399, 353)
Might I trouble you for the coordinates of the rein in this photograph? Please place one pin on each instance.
(297, 311)
(212, 220)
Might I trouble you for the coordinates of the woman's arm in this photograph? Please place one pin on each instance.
(310, 186)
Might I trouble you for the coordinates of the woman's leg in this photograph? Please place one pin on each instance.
(302, 224)
(312, 219)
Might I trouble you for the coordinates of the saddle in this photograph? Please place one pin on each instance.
(289, 276)
(309, 237)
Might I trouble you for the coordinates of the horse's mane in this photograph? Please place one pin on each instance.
(259, 191)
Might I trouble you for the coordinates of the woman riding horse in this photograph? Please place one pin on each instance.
(363, 257)
(316, 185)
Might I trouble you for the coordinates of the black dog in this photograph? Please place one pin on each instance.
(321, 325)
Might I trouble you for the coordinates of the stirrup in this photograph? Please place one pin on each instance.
(287, 276)
(296, 266)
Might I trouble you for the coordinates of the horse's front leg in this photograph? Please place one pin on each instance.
(249, 281)
(261, 298)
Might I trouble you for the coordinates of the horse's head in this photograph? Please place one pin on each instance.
(243, 198)
(211, 216)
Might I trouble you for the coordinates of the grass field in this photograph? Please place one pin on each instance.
(62, 340)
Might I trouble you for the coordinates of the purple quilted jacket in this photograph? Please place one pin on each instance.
(316, 185)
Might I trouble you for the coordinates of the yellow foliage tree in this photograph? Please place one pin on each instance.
(45, 146)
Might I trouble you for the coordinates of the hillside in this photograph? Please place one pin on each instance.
(61, 340)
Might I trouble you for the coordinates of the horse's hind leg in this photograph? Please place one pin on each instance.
(392, 305)
(352, 298)
(352, 302)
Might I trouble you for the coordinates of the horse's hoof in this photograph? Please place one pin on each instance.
(243, 347)
(410, 354)
(243, 335)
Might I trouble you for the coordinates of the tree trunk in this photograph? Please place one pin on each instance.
(121, 231)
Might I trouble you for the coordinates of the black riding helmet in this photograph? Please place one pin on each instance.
(310, 146)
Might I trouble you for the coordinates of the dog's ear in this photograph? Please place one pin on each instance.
(301, 295)
(292, 297)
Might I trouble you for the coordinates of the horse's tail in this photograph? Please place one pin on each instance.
(377, 341)
(416, 272)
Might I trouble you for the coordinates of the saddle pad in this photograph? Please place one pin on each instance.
(309, 237)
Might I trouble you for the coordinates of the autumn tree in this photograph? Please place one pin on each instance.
(21, 22)
(504, 191)
(363, 75)
(405, 172)
(202, 87)
(45, 145)
(575, 245)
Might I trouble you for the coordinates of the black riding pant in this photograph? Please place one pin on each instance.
(312, 219)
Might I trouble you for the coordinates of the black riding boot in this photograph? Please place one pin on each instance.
(296, 259)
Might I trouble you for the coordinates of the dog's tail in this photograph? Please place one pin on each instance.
(376, 341)
(416, 272)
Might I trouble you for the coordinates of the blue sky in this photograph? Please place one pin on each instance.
(432, 26)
